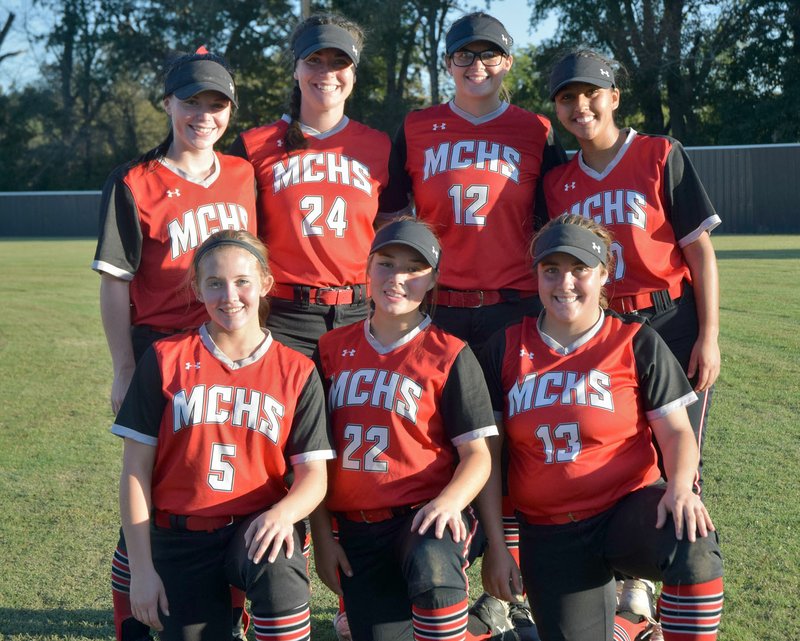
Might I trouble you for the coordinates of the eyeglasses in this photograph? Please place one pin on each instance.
(489, 58)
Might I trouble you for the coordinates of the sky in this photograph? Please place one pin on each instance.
(24, 68)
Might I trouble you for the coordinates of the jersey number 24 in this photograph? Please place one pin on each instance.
(335, 217)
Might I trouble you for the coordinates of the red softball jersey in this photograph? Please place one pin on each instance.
(317, 206)
(398, 413)
(225, 432)
(475, 181)
(153, 217)
(651, 199)
(576, 417)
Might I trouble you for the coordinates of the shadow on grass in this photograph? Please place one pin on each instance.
(89, 624)
(98, 624)
(758, 254)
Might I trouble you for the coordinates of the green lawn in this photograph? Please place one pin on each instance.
(60, 465)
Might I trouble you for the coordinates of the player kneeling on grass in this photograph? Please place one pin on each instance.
(213, 421)
(581, 392)
(410, 415)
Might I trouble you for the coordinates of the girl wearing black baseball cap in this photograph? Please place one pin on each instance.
(319, 175)
(472, 169)
(584, 393)
(410, 420)
(155, 211)
(645, 189)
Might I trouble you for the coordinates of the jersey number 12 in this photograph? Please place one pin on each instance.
(468, 202)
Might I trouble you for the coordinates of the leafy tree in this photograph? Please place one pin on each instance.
(4, 34)
(757, 86)
(670, 47)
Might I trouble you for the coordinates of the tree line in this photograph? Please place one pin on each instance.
(707, 72)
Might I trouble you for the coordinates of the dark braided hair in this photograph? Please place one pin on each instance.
(159, 151)
(294, 138)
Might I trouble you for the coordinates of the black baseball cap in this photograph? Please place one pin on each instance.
(325, 36)
(189, 79)
(474, 27)
(580, 68)
(410, 233)
(576, 241)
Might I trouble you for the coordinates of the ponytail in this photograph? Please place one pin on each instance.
(294, 138)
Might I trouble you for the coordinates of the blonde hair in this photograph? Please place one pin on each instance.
(245, 241)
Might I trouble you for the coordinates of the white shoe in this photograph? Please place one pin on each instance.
(620, 584)
(637, 596)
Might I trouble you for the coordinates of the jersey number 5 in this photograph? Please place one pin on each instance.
(221, 471)
(356, 436)
(335, 219)
(568, 432)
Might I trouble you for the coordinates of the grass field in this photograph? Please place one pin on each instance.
(59, 465)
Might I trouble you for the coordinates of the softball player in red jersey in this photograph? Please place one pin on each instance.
(410, 415)
(213, 421)
(319, 176)
(645, 190)
(581, 392)
(155, 212)
(473, 168)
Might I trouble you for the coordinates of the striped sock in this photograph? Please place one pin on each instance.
(294, 625)
(691, 612)
(510, 529)
(440, 624)
(120, 572)
(126, 628)
(629, 627)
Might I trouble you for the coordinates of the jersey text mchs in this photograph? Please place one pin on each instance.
(192, 229)
(617, 206)
(238, 406)
(321, 167)
(477, 154)
(565, 388)
(380, 388)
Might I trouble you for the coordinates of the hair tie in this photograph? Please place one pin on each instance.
(218, 242)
